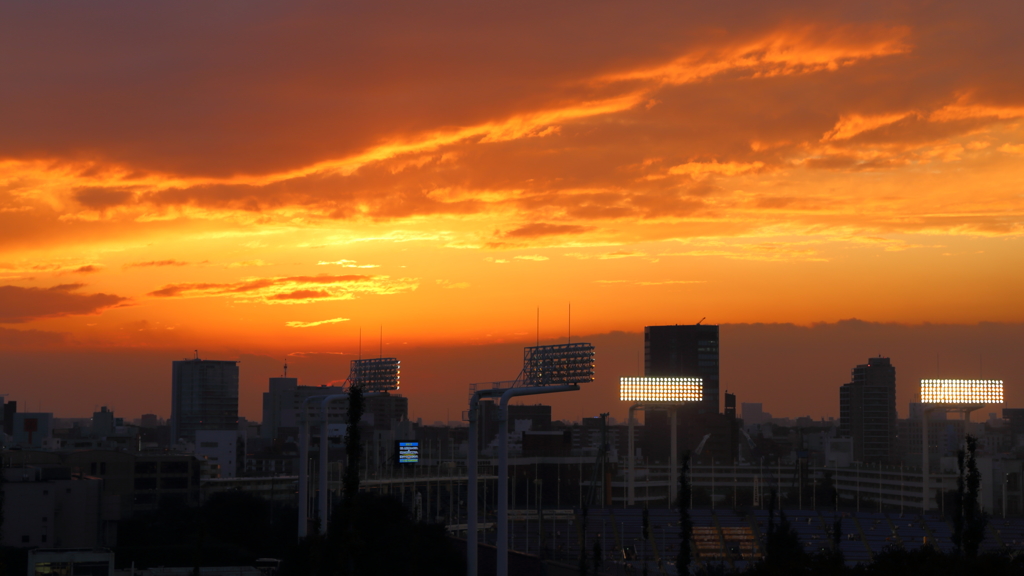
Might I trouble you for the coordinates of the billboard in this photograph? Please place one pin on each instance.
(959, 391)
(408, 452)
(660, 389)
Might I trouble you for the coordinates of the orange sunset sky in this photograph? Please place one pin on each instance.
(261, 180)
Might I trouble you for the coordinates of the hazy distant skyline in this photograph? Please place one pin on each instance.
(793, 370)
(266, 179)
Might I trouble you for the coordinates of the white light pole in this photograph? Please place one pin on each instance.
(662, 393)
(546, 369)
(473, 512)
(324, 512)
(304, 468)
(503, 463)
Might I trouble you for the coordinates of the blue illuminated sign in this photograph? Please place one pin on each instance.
(408, 452)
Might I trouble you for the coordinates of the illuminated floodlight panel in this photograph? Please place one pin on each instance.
(375, 374)
(558, 365)
(956, 391)
(660, 389)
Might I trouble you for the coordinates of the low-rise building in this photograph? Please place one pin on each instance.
(52, 508)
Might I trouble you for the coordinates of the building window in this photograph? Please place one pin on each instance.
(145, 467)
(174, 467)
(103, 468)
(92, 469)
(174, 483)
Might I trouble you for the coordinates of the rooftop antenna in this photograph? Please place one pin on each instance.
(197, 354)
(538, 325)
(701, 320)
(570, 322)
(381, 341)
(285, 369)
(360, 342)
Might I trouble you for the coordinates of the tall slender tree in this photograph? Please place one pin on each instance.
(353, 446)
(968, 519)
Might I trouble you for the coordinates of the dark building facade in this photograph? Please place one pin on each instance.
(685, 350)
(204, 396)
(867, 411)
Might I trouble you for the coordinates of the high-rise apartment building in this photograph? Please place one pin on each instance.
(204, 396)
(867, 411)
(685, 350)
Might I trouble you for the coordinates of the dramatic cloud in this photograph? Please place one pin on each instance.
(806, 161)
(18, 304)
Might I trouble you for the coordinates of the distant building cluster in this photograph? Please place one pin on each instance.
(104, 469)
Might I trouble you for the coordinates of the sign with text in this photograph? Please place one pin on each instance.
(408, 452)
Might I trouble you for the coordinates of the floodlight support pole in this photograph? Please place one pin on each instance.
(304, 468)
(925, 459)
(673, 488)
(473, 511)
(503, 463)
(324, 513)
(631, 489)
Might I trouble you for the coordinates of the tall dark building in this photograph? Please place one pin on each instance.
(685, 350)
(867, 411)
(204, 396)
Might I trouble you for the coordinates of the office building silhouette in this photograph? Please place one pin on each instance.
(867, 411)
(204, 396)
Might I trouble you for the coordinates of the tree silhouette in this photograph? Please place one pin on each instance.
(968, 520)
(352, 445)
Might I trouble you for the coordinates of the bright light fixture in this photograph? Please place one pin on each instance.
(958, 391)
(660, 389)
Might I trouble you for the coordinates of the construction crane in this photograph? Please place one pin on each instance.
(700, 447)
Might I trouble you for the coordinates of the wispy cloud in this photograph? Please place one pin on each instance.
(156, 263)
(297, 324)
(347, 264)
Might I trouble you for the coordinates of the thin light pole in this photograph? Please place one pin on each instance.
(502, 544)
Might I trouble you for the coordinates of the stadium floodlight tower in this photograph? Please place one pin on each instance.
(374, 376)
(660, 393)
(951, 395)
(546, 369)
